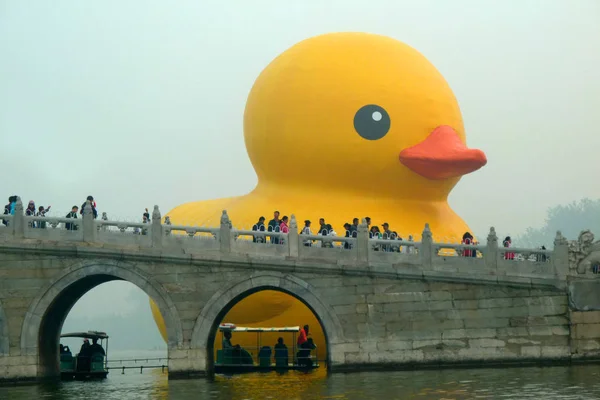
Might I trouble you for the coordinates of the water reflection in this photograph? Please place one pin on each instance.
(579, 382)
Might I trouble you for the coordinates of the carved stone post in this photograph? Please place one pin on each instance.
(426, 249)
(225, 233)
(18, 221)
(490, 257)
(156, 231)
(89, 233)
(104, 218)
(293, 238)
(560, 256)
(362, 242)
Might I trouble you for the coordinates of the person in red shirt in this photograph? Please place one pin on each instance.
(507, 243)
(302, 338)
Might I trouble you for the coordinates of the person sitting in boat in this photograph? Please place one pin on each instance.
(84, 356)
(281, 353)
(95, 348)
(65, 350)
(303, 354)
(236, 352)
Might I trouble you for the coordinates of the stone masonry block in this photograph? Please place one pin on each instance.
(341, 300)
(401, 356)
(468, 333)
(357, 358)
(486, 343)
(512, 331)
(438, 324)
(561, 330)
(556, 351)
(583, 346)
(486, 323)
(540, 331)
(419, 344)
(466, 304)
(345, 309)
(531, 351)
(586, 331)
(415, 335)
(585, 317)
(454, 343)
(394, 345)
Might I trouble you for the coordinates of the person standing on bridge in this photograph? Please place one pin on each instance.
(9, 209)
(73, 214)
(42, 213)
(30, 212)
(274, 226)
(283, 227)
(507, 243)
(259, 227)
(354, 226)
(93, 203)
(306, 231)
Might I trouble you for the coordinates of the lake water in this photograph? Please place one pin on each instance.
(575, 382)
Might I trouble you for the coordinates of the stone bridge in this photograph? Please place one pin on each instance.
(420, 304)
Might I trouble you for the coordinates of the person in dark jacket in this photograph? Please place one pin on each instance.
(274, 226)
(95, 348)
(9, 209)
(91, 200)
(259, 227)
(72, 214)
(42, 213)
(354, 227)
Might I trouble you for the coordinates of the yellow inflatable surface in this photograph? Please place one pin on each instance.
(347, 125)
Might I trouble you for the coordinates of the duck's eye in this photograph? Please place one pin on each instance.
(372, 122)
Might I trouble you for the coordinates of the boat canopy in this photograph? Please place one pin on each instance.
(86, 335)
(233, 328)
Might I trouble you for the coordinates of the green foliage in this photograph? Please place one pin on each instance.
(570, 219)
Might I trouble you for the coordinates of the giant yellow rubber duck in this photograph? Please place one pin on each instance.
(347, 125)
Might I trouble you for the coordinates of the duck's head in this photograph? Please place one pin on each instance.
(357, 112)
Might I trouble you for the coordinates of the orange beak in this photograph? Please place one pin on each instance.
(442, 155)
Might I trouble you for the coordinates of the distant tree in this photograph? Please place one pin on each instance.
(570, 219)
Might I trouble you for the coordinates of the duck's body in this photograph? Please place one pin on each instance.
(344, 126)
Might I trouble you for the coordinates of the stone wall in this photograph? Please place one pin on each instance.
(585, 334)
(412, 322)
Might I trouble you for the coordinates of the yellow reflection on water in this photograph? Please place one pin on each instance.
(274, 385)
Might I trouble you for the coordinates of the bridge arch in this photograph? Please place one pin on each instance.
(44, 319)
(4, 343)
(205, 328)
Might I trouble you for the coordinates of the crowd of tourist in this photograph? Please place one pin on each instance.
(275, 225)
(281, 225)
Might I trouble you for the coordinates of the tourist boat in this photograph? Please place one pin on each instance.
(264, 357)
(84, 367)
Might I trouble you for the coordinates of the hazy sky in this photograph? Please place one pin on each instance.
(141, 102)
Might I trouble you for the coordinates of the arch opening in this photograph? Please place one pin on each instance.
(45, 319)
(290, 310)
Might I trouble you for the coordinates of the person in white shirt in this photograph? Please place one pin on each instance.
(306, 231)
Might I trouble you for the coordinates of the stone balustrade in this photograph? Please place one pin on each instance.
(402, 257)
